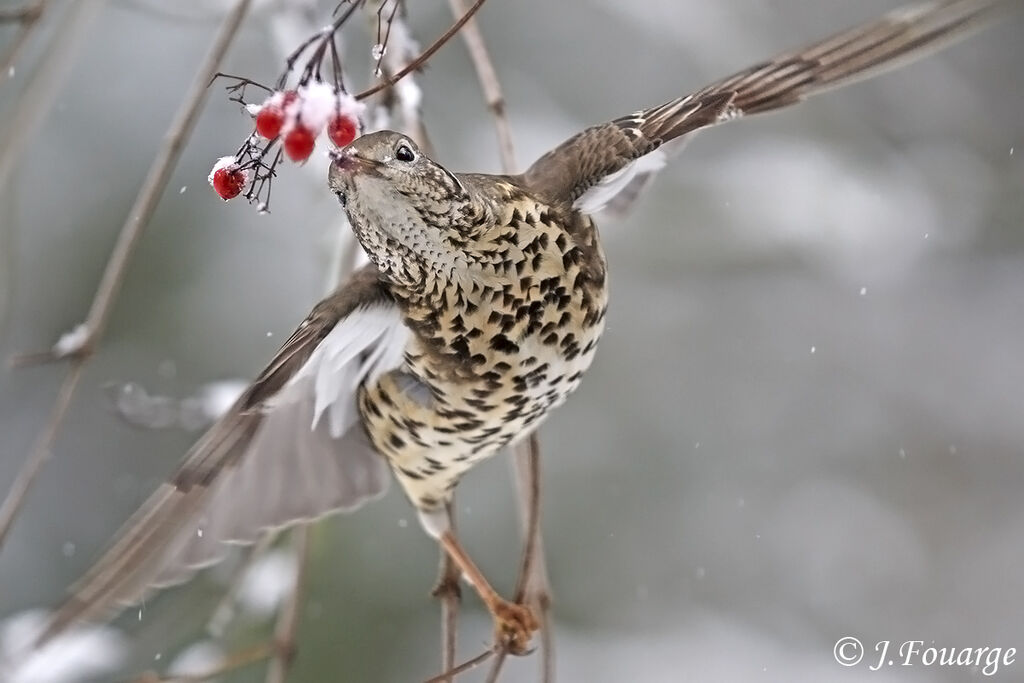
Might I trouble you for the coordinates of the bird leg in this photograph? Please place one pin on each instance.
(514, 624)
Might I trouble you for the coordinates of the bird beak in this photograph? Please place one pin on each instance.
(350, 163)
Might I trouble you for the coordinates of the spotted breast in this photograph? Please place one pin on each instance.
(490, 354)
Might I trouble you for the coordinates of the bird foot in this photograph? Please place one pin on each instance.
(514, 625)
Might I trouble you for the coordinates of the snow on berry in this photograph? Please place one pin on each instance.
(299, 142)
(317, 101)
(227, 179)
(342, 129)
(270, 117)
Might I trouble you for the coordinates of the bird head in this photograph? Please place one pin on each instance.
(410, 214)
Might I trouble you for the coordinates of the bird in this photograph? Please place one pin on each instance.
(479, 312)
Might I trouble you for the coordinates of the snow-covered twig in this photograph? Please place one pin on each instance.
(103, 301)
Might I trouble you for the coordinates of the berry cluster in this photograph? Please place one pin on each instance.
(295, 118)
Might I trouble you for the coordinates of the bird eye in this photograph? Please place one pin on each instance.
(342, 199)
(403, 153)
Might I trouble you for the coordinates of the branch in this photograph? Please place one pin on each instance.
(425, 55)
(241, 659)
(449, 593)
(110, 285)
(288, 618)
(462, 668)
(490, 85)
(533, 587)
(26, 14)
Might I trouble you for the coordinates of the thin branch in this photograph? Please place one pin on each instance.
(224, 612)
(43, 86)
(462, 668)
(145, 203)
(449, 593)
(244, 658)
(26, 14)
(533, 585)
(425, 55)
(288, 618)
(490, 85)
(28, 17)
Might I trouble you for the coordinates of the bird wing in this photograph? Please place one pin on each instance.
(290, 450)
(607, 165)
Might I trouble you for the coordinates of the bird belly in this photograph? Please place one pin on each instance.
(432, 431)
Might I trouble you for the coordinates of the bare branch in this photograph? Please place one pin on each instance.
(468, 665)
(425, 55)
(533, 585)
(490, 85)
(28, 16)
(47, 77)
(145, 203)
(224, 612)
(288, 618)
(238, 660)
(450, 594)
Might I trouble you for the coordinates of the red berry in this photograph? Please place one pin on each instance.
(342, 129)
(270, 117)
(228, 182)
(298, 144)
(269, 121)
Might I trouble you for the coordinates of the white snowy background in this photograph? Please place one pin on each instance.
(804, 421)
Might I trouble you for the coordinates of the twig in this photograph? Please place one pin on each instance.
(288, 618)
(490, 85)
(533, 586)
(425, 55)
(404, 95)
(462, 668)
(251, 655)
(39, 93)
(145, 203)
(28, 15)
(449, 593)
(224, 612)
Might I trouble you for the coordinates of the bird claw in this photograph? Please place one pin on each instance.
(514, 625)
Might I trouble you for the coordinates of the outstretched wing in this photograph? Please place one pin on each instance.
(291, 449)
(609, 163)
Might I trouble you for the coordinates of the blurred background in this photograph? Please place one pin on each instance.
(804, 422)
